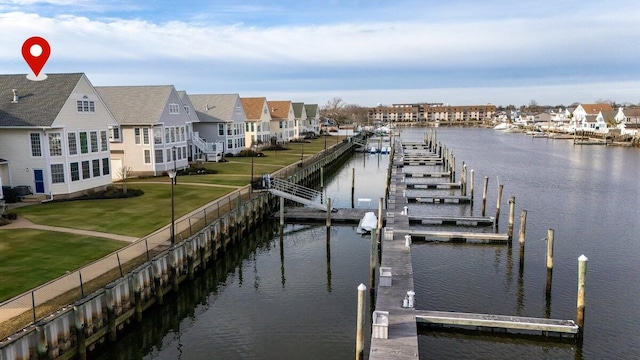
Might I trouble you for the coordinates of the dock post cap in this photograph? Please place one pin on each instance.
(362, 287)
(583, 258)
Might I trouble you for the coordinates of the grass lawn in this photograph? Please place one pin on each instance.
(137, 216)
(30, 257)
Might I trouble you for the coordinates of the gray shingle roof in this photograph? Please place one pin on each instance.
(311, 109)
(214, 107)
(297, 109)
(39, 102)
(136, 105)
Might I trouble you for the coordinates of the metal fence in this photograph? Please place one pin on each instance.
(27, 308)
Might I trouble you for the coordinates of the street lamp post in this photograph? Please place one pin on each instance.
(251, 181)
(175, 169)
(172, 176)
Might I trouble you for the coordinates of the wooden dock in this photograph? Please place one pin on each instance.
(489, 322)
(435, 174)
(440, 199)
(456, 236)
(452, 220)
(435, 186)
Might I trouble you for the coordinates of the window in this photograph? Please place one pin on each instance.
(86, 171)
(238, 109)
(55, 145)
(36, 149)
(147, 156)
(73, 145)
(168, 155)
(96, 167)
(187, 109)
(178, 154)
(183, 137)
(174, 109)
(136, 132)
(57, 173)
(184, 152)
(75, 171)
(173, 134)
(265, 111)
(104, 146)
(84, 144)
(166, 136)
(114, 134)
(247, 126)
(86, 106)
(105, 166)
(157, 135)
(229, 130)
(221, 129)
(280, 124)
(145, 136)
(158, 156)
(94, 141)
(230, 144)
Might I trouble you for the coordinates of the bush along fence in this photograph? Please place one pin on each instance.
(65, 317)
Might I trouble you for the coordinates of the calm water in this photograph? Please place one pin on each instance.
(296, 298)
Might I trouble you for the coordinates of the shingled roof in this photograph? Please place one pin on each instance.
(279, 109)
(214, 107)
(311, 109)
(136, 105)
(596, 108)
(39, 102)
(297, 109)
(253, 107)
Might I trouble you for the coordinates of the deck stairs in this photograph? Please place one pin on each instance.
(209, 150)
(297, 193)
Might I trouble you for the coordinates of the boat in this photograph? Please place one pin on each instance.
(384, 150)
(368, 222)
(501, 126)
(373, 150)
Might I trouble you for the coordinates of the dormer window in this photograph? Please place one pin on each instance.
(174, 109)
(238, 109)
(85, 105)
(187, 110)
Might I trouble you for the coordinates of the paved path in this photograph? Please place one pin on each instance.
(23, 223)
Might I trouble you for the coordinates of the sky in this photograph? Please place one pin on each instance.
(366, 52)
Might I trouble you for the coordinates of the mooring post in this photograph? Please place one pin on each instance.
(523, 226)
(550, 235)
(360, 323)
(498, 203)
(582, 279)
(484, 195)
(353, 186)
(281, 212)
(463, 180)
(471, 180)
(80, 334)
(328, 221)
(373, 252)
(111, 315)
(453, 168)
(512, 203)
(379, 228)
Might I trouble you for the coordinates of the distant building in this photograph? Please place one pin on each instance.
(430, 112)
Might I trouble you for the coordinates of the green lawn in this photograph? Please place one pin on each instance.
(30, 257)
(137, 216)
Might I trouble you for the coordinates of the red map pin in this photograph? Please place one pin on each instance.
(36, 51)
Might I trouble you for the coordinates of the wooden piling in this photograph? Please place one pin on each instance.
(360, 323)
(111, 316)
(521, 237)
(471, 180)
(80, 334)
(499, 200)
(379, 228)
(281, 212)
(463, 180)
(328, 221)
(484, 195)
(353, 186)
(550, 236)
(512, 202)
(582, 279)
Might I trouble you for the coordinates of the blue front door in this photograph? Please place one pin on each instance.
(38, 178)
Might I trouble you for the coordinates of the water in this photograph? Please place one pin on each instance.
(287, 299)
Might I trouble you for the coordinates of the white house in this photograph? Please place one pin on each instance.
(258, 127)
(313, 118)
(54, 135)
(222, 119)
(282, 120)
(584, 117)
(150, 136)
(300, 118)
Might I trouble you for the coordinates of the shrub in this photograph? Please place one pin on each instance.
(10, 215)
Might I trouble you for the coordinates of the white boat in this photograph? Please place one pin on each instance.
(373, 150)
(501, 126)
(384, 150)
(368, 222)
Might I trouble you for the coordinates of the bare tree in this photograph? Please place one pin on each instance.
(124, 173)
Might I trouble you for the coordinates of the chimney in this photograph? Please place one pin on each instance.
(15, 96)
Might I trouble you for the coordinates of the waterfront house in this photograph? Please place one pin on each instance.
(257, 128)
(150, 137)
(584, 117)
(54, 136)
(313, 118)
(630, 115)
(629, 121)
(282, 120)
(222, 119)
(300, 118)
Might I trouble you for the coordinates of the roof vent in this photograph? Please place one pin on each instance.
(15, 96)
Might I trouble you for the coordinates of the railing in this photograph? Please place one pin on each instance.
(294, 189)
(205, 146)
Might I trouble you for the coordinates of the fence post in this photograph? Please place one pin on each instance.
(146, 243)
(33, 305)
